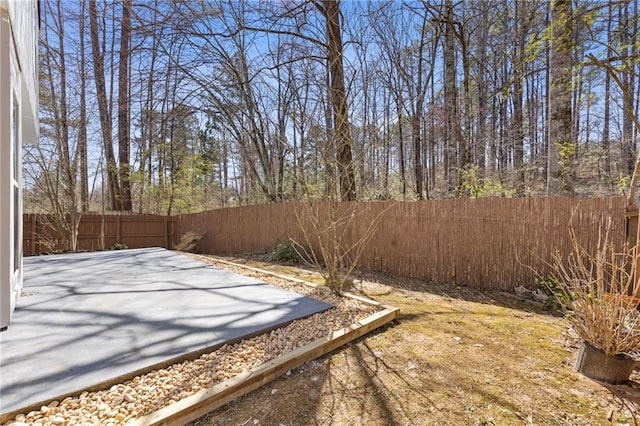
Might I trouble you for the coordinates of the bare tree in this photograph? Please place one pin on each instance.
(628, 50)
(55, 164)
(124, 143)
(561, 143)
(518, 131)
(450, 99)
(433, 98)
(83, 121)
(330, 9)
(606, 119)
(422, 79)
(106, 122)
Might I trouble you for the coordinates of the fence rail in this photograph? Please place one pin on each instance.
(98, 232)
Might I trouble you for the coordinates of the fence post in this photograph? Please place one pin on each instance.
(34, 233)
(118, 229)
(633, 233)
(632, 225)
(166, 233)
(172, 231)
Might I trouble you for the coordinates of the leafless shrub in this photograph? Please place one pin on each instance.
(332, 243)
(189, 242)
(600, 294)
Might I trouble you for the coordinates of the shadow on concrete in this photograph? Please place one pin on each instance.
(87, 318)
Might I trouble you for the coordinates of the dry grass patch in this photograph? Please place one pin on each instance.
(455, 356)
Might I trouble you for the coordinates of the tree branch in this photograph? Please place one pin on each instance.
(629, 108)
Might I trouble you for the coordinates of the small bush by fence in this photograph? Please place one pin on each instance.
(97, 232)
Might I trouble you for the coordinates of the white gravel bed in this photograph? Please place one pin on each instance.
(149, 392)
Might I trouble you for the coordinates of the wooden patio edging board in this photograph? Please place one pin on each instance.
(207, 400)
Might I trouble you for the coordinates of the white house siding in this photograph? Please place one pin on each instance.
(25, 23)
(18, 125)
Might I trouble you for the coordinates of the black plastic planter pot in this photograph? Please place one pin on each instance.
(596, 365)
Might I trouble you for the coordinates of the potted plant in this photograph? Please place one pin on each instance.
(597, 292)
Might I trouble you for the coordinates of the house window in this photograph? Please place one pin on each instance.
(17, 243)
(17, 250)
(16, 140)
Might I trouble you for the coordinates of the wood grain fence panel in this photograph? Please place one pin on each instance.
(485, 243)
(97, 232)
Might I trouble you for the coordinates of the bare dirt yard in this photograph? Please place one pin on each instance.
(454, 356)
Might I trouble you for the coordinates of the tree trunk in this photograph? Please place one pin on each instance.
(628, 78)
(482, 94)
(329, 170)
(416, 119)
(341, 127)
(124, 140)
(403, 176)
(607, 105)
(463, 143)
(450, 99)
(561, 145)
(82, 124)
(113, 187)
(518, 130)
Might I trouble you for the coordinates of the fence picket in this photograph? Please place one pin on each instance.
(134, 231)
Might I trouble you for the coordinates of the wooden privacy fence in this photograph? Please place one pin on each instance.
(484, 243)
(98, 232)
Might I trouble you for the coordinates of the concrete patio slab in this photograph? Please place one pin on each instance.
(89, 317)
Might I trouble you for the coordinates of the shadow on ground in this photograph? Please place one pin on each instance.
(452, 290)
(628, 394)
(454, 356)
